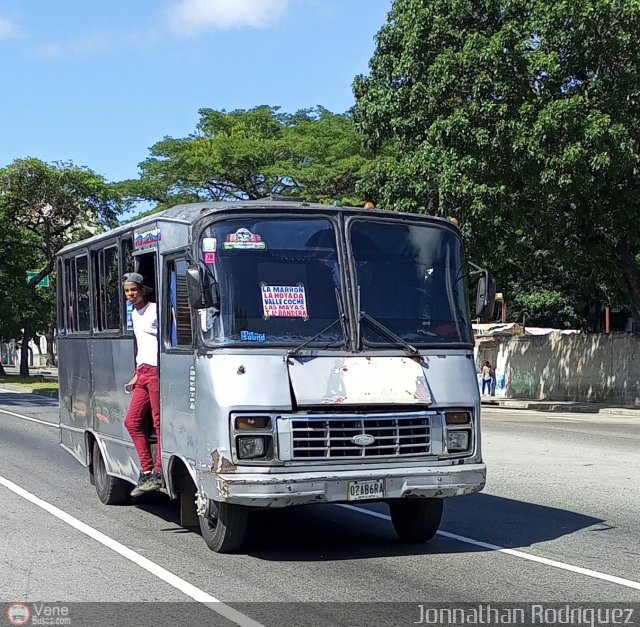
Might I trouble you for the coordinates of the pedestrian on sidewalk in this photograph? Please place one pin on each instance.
(486, 377)
(145, 384)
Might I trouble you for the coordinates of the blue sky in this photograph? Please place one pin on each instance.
(98, 83)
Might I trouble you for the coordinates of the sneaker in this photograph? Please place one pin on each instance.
(148, 483)
(142, 479)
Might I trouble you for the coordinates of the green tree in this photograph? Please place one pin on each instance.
(17, 255)
(521, 117)
(251, 154)
(43, 207)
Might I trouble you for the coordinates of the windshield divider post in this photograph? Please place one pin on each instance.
(359, 324)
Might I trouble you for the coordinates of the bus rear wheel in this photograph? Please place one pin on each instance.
(224, 527)
(416, 520)
(110, 490)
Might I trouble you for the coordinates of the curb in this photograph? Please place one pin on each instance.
(578, 408)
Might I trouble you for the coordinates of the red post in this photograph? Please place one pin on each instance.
(607, 319)
(504, 311)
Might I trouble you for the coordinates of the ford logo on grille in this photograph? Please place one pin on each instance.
(363, 439)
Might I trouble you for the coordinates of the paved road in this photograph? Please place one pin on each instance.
(558, 521)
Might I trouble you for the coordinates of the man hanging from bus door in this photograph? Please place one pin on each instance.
(145, 384)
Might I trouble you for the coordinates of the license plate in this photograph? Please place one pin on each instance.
(361, 490)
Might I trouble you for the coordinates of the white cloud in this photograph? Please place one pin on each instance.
(95, 43)
(82, 46)
(183, 18)
(7, 28)
(194, 16)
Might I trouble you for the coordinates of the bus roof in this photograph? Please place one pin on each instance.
(190, 212)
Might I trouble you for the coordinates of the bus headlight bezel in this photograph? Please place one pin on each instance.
(253, 438)
(459, 430)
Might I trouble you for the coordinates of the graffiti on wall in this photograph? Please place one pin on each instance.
(524, 383)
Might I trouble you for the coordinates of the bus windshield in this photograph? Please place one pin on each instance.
(410, 280)
(278, 280)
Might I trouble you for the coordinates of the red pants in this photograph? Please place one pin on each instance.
(146, 393)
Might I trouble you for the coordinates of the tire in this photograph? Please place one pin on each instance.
(224, 530)
(110, 490)
(416, 520)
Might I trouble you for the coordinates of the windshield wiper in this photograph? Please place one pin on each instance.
(343, 316)
(388, 333)
(382, 330)
(342, 319)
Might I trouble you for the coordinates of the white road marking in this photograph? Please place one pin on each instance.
(527, 556)
(30, 419)
(178, 583)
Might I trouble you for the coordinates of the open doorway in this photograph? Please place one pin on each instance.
(146, 265)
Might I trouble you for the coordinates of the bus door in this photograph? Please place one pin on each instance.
(177, 366)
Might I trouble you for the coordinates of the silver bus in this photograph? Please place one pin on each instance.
(307, 354)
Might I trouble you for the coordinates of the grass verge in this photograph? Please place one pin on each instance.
(36, 383)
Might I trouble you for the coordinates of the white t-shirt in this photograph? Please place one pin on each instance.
(145, 327)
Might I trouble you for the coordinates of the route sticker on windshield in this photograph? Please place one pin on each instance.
(209, 258)
(209, 244)
(244, 239)
(284, 301)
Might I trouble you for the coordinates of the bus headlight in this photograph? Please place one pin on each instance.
(250, 447)
(458, 441)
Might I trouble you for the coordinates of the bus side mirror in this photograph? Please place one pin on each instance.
(199, 285)
(485, 297)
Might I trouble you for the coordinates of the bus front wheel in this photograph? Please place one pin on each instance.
(416, 520)
(224, 527)
(110, 490)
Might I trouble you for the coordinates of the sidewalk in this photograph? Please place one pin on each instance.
(571, 407)
(44, 372)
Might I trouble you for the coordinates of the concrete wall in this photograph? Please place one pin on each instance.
(601, 368)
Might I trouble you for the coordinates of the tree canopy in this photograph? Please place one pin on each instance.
(520, 117)
(251, 154)
(43, 207)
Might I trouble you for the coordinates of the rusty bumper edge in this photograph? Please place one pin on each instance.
(285, 489)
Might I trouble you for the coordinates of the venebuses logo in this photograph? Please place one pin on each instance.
(147, 238)
(18, 614)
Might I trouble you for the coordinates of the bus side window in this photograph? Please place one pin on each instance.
(70, 290)
(107, 282)
(179, 328)
(60, 294)
(82, 293)
(126, 248)
(126, 265)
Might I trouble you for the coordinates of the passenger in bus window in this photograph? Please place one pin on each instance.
(145, 384)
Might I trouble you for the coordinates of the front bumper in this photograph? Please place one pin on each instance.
(284, 489)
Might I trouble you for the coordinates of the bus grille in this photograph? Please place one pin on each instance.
(332, 437)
